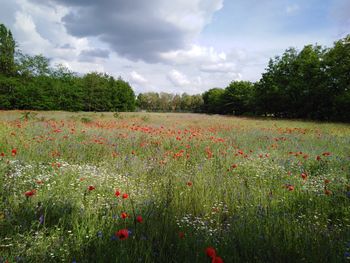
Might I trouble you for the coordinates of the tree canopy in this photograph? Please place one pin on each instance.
(29, 82)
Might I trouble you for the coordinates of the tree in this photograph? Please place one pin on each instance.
(238, 98)
(213, 100)
(124, 96)
(337, 69)
(32, 66)
(7, 52)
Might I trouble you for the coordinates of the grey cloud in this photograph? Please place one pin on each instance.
(66, 46)
(137, 30)
(92, 54)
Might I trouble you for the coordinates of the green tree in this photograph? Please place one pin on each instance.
(238, 98)
(7, 52)
(32, 66)
(213, 101)
(337, 69)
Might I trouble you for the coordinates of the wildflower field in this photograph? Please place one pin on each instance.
(152, 187)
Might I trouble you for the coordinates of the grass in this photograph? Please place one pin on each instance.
(255, 190)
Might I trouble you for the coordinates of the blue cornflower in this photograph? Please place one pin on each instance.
(347, 254)
(41, 219)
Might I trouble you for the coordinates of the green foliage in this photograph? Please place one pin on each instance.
(213, 100)
(85, 120)
(27, 115)
(117, 115)
(238, 98)
(166, 102)
(312, 83)
(29, 83)
(7, 52)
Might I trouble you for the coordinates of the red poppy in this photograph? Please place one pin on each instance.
(217, 260)
(326, 181)
(117, 193)
(327, 192)
(125, 196)
(139, 219)
(2, 154)
(211, 252)
(14, 152)
(304, 176)
(234, 166)
(181, 234)
(30, 193)
(189, 183)
(289, 187)
(91, 187)
(124, 215)
(122, 234)
(318, 158)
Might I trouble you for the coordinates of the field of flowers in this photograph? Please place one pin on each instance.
(142, 187)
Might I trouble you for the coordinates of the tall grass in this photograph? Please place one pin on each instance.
(255, 190)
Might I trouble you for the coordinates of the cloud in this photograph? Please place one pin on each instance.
(341, 15)
(138, 30)
(137, 78)
(29, 37)
(219, 67)
(177, 78)
(291, 9)
(91, 55)
(193, 54)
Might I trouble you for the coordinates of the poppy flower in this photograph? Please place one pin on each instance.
(139, 219)
(189, 183)
(125, 196)
(122, 234)
(30, 193)
(217, 260)
(117, 193)
(289, 187)
(304, 176)
(124, 215)
(210, 252)
(326, 181)
(2, 154)
(14, 152)
(327, 192)
(91, 187)
(318, 158)
(181, 235)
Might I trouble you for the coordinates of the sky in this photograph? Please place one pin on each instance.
(172, 46)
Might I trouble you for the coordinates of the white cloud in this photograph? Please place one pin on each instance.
(29, 38)
(137, 78)
(219, 67)
(177, 78)
(291, 9)
(194, 54)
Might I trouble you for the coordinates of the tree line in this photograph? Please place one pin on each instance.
(29, 82)
(313, 83)
(165, 102)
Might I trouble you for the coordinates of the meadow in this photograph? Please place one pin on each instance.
(166, 187)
